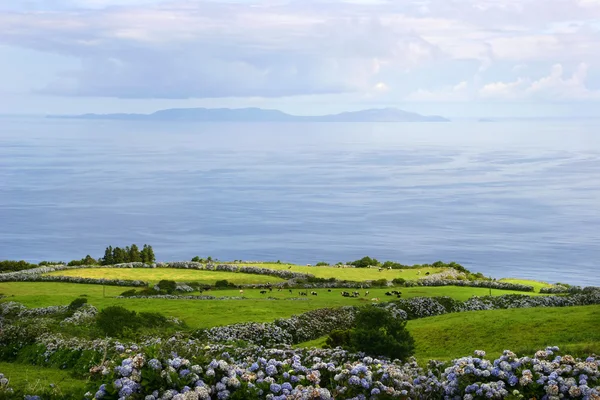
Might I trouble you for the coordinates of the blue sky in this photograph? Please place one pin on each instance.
(449, 57)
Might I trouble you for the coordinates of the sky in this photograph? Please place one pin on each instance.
(464, 58)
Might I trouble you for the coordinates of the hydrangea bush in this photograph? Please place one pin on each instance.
(260, 373)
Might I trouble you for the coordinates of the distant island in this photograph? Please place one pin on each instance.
(262, 115)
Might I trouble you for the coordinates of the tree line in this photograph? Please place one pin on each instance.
(112, 256)
(128, 254)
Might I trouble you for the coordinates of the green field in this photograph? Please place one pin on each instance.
(354, 274)
(537, 285)
(155, 275)
(34, 379)
(522, 330)
(206, 313)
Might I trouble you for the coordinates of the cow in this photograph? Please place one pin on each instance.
(263, 292)
(313, 293)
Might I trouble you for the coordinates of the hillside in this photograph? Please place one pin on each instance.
(262, 115)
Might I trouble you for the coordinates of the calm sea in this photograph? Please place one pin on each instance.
(509, 199)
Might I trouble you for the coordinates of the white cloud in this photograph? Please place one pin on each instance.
(556, 86)
(458, 92)
(207, 49)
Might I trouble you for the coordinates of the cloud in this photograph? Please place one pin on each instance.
(556, 86)
(205, 49)
(265, 48)
(458, 92)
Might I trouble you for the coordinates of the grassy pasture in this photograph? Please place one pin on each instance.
(206, 313)
(523, 330)
(34, 379)
(537, 285)
(354, 274)
(155, 275)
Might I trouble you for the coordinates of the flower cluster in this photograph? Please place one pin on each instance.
(328, 374)
(558, 288)
(446, 274)
(544, 376)
(296, 329)
(24, 276)
(5, 389)
(181, 297)
(14, 309)
(476, 303)
(84, 315)
(483, 284)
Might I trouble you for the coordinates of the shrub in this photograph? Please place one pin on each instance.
(87, 260)
(11, 266)
(399, 281)
(338, 338)
(128, 293)
(224, 283)
(380, 282)
(378, 333)
(113, 320)
(77, 303)
(167, 286)
(152, 319)
(392, 265)
(46, 263)
(364, 262)
(322, 264)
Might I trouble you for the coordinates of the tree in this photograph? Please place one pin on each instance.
(378, 333)
(365, 262)
(88, 260)
(148, 254)
(119, 255)
(134, 254)
(108, 256)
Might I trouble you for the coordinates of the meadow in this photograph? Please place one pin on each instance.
(454, 333)
(207, 313)
(180, 275)
(354, 274)
(526, 330)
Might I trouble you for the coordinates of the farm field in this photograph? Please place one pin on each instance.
(206, 313)
(353, 274)
(443, 337)
(155, 275)
(29, 378)
(524, 331)
(537, 285)
(169, 318)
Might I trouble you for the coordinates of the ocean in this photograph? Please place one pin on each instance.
(508, 199)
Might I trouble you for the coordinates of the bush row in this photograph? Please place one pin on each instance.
(336, 374)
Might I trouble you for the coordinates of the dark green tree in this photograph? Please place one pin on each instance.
(365, 262)
(119, 255)
(378, 333)
(88, 260)
(148, 254)
(134, 254)
(108, 256)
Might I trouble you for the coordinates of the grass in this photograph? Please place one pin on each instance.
(354, 274)
(537, 285)
(207, 313)
(155, 275)
(521, 330)
(525, 330)
(35, 379)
